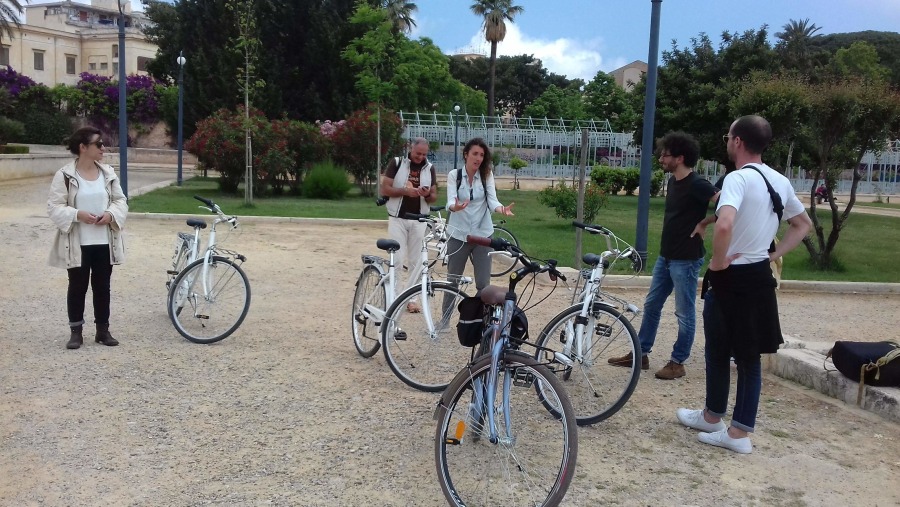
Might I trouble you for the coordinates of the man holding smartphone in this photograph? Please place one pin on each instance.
(410, 184)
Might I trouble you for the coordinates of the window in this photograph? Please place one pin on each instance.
(4, 56)
(38, 60)
(103, 66)
(115, 48)
(142, 63)
(70, 64)
(92, 66)
(115, 68)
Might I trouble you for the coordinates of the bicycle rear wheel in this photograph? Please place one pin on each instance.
(596, 388)
(425, 359)
(369, 292)
(214, 314)
(534, 459)
(501, 262)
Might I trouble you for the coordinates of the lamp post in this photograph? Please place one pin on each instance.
(456, 134)
(181, 61)
(123, 112)
(647, 140)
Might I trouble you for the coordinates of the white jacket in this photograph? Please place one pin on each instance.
(66, 251)
(400, 179)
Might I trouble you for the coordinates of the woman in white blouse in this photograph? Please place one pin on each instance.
(471, 203)
(88, 207)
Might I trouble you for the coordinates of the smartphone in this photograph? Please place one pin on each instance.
(426, 187)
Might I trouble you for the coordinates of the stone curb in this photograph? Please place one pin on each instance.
(802, 362)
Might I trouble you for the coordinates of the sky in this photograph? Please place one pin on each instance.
(577, 38)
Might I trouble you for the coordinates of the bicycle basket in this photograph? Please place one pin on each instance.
(471, 321)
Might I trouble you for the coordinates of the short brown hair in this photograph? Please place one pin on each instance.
(81, 136)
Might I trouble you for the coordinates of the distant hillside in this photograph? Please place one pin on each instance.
(887, 44)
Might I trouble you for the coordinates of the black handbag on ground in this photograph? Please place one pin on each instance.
(872, 363)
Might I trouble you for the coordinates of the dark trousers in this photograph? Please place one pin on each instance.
(95, 270)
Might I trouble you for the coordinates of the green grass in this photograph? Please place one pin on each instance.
(889, 205)
(866, 250)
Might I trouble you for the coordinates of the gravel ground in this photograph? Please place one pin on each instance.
(285, 412)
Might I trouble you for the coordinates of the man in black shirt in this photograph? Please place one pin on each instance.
(681, 254)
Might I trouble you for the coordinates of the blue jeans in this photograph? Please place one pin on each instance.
(718, 372)
(680, 276)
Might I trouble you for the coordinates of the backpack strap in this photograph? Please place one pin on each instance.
(459, 181)
(777, 205)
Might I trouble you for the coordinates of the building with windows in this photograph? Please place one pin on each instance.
(60, 40)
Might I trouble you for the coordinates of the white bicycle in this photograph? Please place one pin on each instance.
(595, 328)
(212, 286)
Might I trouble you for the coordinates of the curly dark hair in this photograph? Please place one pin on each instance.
(485, 168)
(79, 137)
(680, 144)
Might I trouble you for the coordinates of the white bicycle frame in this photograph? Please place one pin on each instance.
(575, 335)
(210, 247)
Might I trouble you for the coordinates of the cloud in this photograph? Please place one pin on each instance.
(569, 57)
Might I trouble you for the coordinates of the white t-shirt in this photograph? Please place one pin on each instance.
(92, 197)
(755, 224)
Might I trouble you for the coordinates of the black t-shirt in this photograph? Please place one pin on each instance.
(409, 204)
(686, 203)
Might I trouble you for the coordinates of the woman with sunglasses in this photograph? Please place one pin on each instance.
(471, 204)
(88, 207)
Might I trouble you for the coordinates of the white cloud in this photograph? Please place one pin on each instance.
(569, 57)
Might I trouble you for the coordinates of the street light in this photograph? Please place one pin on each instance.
(456, 134)
(181, 61)
(123, 111)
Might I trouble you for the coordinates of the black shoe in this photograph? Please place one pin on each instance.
(104, 337)
(76, 340)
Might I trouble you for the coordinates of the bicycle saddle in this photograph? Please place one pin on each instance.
(493, 295)
(388, 245)
(196, 222)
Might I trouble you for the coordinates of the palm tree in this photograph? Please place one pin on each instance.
(9, 10)
(794, 42)
(400, 13)
(495, 14)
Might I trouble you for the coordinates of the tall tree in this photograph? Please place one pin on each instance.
(400, 13)
(495, 13)
(835, 123)
(605, 100)
(794, 43)
(9, 12)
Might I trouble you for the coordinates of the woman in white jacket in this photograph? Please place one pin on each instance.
(88, 207)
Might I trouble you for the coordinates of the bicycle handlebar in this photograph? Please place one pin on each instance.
(500, 244)
(593, 229)
(205, 201)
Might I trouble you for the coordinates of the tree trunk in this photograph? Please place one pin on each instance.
(491, 87)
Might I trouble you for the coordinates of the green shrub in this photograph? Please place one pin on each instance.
(632, 179)
(326, 181)
(10, 129)
(609, 179)
(656, 182)
(564, 199)
(46, 127)
(517, 163)
(11, 149)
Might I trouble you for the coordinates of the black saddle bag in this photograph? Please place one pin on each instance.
(870, 363)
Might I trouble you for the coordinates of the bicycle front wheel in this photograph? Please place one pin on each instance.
(533, 460)
(501, 262)
(596, 388)
(215, 297)
(425, 357)
(370, 293)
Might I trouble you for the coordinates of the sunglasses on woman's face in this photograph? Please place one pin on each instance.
(99, 144)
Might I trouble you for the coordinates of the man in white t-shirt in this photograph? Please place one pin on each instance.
(740, 313)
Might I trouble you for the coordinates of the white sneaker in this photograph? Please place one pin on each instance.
(694, 419)
(722, 439)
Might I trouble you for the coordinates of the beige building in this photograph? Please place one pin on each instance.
(60, 40)
(629, 75)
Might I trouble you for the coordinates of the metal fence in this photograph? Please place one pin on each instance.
(552, 149)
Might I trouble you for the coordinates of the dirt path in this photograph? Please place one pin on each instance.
(286, 413)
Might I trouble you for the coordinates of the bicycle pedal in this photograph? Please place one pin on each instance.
(204, 317)
(172, 272)
(452, 441)
(400, 335)
(522, 378)
(604, 330)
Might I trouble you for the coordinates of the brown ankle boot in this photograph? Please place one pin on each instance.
(104, 337)
(76, 340)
